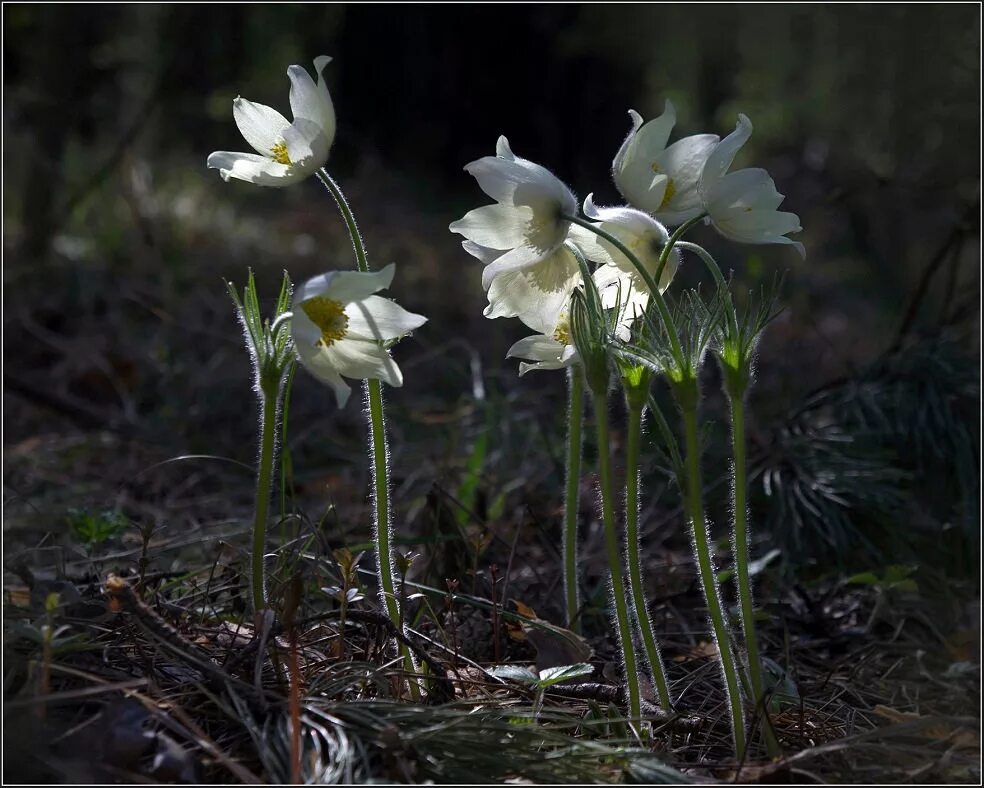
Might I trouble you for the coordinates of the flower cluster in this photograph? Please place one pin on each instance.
(529, 240)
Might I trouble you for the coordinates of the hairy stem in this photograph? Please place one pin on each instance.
(635, 412)
(614, 554)
(575, 418)
(742, 574)
(695, 507)
(261, 511)
(378, 449)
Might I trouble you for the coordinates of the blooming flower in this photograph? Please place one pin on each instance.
(285, 152)
(526, 224)
(338, 325)
(617, 279)
(658, 179)
(742, 205)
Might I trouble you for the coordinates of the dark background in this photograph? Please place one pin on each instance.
(117, 239)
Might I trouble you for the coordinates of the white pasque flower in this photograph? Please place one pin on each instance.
(338, 326)
(742, 205)
(618, 281)
(538, 292)
(526, 224)
(552, 347)
(285, 152)
(658, 179)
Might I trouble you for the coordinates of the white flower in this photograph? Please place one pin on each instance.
(538, 292)
(552, 348)
(526, 222)
(617, 279)
(338, 325)
(742, 205)
(285, 152)
(658, 179)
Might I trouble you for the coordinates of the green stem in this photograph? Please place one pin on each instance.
(678, 233)
(741, 563)
(264, 480)
(662, 308)
(615, 565)
(635, 409)
(380, 451)
(695, 506)
(575, 418)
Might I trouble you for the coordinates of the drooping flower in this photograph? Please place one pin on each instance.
(619, 282)
(658, 179)
(742, 205)
(285, 152)
(526, 224)
(338, 326)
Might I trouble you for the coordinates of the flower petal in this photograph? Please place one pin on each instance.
(345, 286)
(632, 169)
(751, 188)
(355, 358)
(537, 294)
(252, 168)
(379, 318)
(495, 226)
(312, 101)
(261, 126)
(314, 360)
(483, 253)
(514, 259)
(307, 145)
(723, 155)
(518, 181)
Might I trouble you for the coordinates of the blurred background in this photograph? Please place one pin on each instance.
(122, 354)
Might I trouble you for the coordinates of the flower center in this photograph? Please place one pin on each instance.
(280, 155)
(329, 316)
(562, 331)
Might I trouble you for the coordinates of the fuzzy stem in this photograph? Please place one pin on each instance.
(264, 480)
(678, 233)
(695, 506)
(611, 542)
(575, 418)
(379, 450)
(741, 563)
(635, 413)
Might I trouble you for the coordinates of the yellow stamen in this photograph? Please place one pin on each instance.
(280, 155)
(668, 194)
(562, 333)
(329, 316)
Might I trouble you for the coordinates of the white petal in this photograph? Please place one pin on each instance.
(758, 226)
(514, 259)
(311, 101)
(724, 154)
(537, 294)
(345, 286)
(620, 156)
(750, 188)
(633, 167)
(545, 352)
(502, 149)
(318, 364)
(261, 126)
(517, 181)
(307, 145)
(363, 360)
(483, 253)
(495, 226)
(683, 162)
(380, 319)
(252, 168)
